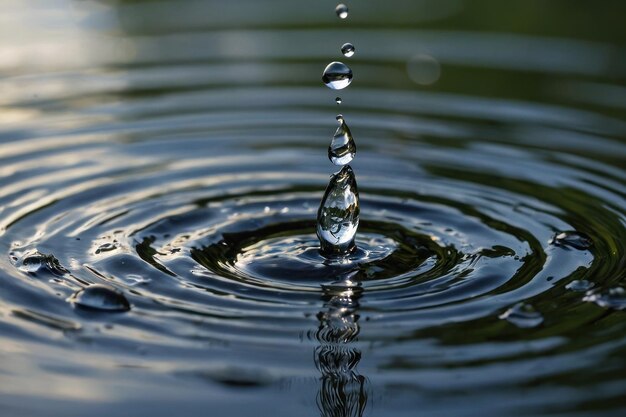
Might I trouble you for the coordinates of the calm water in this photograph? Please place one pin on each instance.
(177, 151)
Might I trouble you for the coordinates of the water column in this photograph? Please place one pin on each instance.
(338, 214)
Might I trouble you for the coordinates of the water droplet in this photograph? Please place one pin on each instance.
(522, 315)
(614, 298)
(342, 148)
(347, 49)
(338, 100)
(341, 10)
(101, 297)
(579, 285)
(106, 247)
(572, 239)
(36, 261)
(337, 75)
(338, 214)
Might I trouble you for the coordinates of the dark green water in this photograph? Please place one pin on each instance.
(176, 151)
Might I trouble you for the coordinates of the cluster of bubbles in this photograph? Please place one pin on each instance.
(338, 214)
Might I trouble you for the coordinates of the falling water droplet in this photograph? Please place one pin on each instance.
(522, 315)
(347, 49)
(337, 75)
(338, 100)
(342, 148)
(572, 239)
(341, 10)
(338, 214)
(101, 297)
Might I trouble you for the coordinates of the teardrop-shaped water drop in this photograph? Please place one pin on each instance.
(347, 49)
(101, 297)
(338, 214)
(338, 100)
(341, 10)
(342, 148)
(337, 75)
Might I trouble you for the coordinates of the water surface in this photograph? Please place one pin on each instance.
(176, 152)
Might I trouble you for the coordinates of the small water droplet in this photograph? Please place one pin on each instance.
(347, 49)
(101, 297)
(342, 148)
(572, 239)
(579, 285)
(338, 214)
(36, 261)
(337, 75)
(341, 10)
(614, 298)
(338, 100)
(522, 315)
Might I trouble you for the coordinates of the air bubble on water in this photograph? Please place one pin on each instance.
(101, 297)
(135, 279)
(337, 75)
(581, 285)
(572, 239)
(522, 315)
(342, 148)
(338, 100)
(338, 214)
(347, 49)
(341, 10)
(106, 247)
(614, 298)
(35, 261)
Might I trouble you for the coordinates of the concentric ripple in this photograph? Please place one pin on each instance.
(490, 254)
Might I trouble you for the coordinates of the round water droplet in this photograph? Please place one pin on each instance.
(572, 239)
(101, 297)
(347, 49)
(342, 148)
(338, 100)
(341, 10)
(523, 316)
(338, 214)
(337, 75)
